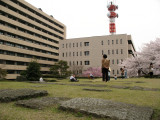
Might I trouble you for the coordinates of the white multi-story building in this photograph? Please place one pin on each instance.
(82, 53)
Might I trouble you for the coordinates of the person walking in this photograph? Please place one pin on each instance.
(105, 68)
(122, 72)
(109, 74)
(125, 72)
(151, 70)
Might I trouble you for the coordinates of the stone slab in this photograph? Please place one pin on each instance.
(140, 82)
(119, 87)
(77, 84)
(97, 90)
(107, 109)
(144, 88)
(41, 103)
(8, 95)
(37, 86)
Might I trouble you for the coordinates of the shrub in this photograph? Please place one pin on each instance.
(3, 73)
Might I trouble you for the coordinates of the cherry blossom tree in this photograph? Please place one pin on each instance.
(150, 53)
(95, 71)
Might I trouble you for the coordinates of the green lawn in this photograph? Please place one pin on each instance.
(8, 111)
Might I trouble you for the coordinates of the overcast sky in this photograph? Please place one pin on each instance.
(86, 18)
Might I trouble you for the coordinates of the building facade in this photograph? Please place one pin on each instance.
(27, 32)
(82, 53)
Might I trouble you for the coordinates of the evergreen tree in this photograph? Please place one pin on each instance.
(54, 70)
(60, 69)
(33, 71)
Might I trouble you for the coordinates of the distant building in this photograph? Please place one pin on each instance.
(26, 33)
(82, 53)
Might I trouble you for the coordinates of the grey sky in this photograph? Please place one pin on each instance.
(86, 18)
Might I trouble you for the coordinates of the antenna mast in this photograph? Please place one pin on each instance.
(112, 15)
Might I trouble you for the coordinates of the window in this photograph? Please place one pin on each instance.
(1, 42)
(80, 44)
(102, 52)
(108, 42)
(63, 54)
(1, 61)
(69, 54)
(29, 56)
(80, 62)
(63, 46)
(73, 53)
(66, 54)
(1, 52)
(73, 62)
(1, 33)
(120, 41)
(121, 51)
(10, 44)
(117, 71)
(43, 51)
(86, 43)
(10, 71)
(86, 62)
(80, 53)
(73, 44)
(77, 44)
(49, 59)
(20, 46)
(77, 62)
(66, 45)
(20, 63)
(43, 58)
(10, 62)
(117, 41)
(70, 45)
(116, 51)
(38, 50)
(117, 61)
(112, 41)
(113, 72)
(20, 54)
(10, 53)
(77, 53)
(112, 61)
(101, 42)
(108, 52)
(70, 63)
(112, 51)
(86, 53)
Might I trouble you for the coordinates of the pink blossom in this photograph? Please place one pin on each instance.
(95, 71)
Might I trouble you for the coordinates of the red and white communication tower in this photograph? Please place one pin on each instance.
(112, 15)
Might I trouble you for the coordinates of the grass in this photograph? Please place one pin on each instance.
(8, 111)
